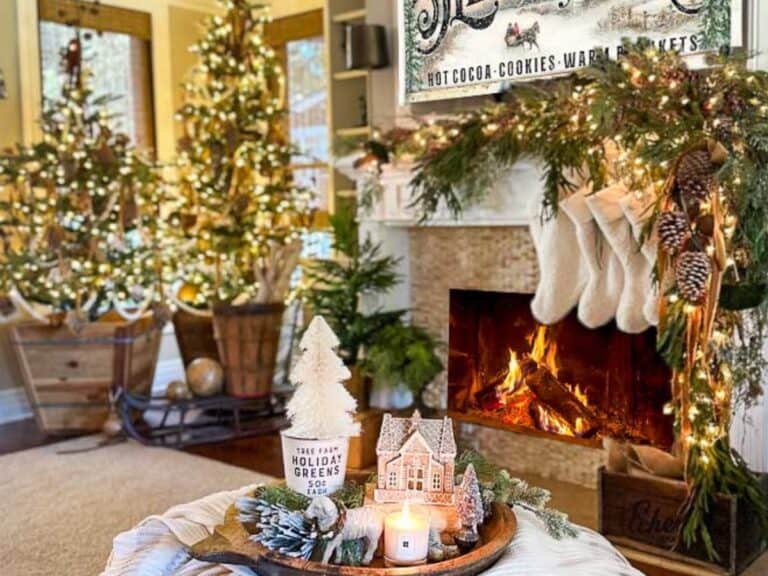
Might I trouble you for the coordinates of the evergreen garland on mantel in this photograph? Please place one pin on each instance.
(641, 120)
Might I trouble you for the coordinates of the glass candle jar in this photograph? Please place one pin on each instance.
(406, 537)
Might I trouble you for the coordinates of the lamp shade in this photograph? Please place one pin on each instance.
(366, 46)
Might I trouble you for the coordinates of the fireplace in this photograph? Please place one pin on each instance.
(563, 381)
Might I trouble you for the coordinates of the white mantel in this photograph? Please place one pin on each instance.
(508, 203)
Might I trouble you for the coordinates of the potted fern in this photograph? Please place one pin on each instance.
(338, 287)
(402, 357)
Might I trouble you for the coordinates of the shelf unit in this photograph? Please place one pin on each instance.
(349, 92)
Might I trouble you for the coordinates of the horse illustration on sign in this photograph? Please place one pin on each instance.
(515, 37)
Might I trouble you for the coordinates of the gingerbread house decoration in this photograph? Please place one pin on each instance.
(416, 459)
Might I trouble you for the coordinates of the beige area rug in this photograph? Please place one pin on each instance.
(59, 513)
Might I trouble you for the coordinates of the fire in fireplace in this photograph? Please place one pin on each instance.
(567, 381)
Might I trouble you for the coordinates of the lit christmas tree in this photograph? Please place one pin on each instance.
(321, 407)
(243, 216)
(80, 229)
(470, 502)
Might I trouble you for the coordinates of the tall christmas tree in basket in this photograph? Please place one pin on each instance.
(81, 242)
(243, 216)
(322, 413)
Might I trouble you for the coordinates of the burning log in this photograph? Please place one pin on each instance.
(557, 398)
(489, 398)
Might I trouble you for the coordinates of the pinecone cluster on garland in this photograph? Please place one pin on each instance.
(673, 231)
(692, 275)
(685, 229)
(695, 176)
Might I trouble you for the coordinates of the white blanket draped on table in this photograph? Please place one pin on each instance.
(157, 547)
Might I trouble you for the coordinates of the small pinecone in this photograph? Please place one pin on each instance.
(695, 174)
(723, 131)
(673, 230)
(692, 274)
(734, 104)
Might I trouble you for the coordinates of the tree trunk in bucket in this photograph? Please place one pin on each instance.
(248, 338)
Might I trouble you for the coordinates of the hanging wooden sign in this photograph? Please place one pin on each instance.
(456, 48)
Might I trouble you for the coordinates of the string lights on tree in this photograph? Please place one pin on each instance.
(80, 228)
(243, 216)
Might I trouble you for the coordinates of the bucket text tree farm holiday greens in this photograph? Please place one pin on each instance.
(243, 216)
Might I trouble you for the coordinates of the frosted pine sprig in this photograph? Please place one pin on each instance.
(280, 529)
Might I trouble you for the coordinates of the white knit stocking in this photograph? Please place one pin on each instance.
(606, 208)
(562, 275)
(638, 209)
(600, 299)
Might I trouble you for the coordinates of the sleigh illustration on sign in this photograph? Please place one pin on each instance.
(515, 38)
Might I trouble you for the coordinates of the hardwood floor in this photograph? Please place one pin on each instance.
(23, 435)
(262, 454)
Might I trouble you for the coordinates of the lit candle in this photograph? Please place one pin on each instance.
(406, 538)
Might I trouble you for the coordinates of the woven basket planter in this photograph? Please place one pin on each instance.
(194, 335)
(248, 338)
(68, 376)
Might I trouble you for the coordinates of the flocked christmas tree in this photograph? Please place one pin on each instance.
(80, 232)
(321, 407)
(243, 216)
(470, 503)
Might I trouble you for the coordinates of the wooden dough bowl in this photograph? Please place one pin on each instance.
(230, 544)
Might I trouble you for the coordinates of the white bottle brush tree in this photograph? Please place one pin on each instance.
(321, 407)
(470, 502)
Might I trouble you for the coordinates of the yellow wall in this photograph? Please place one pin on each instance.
(10, 133)
(282, 8)
(10, 109)
(186, 29)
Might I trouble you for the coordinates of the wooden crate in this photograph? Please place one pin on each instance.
(362, 449)
(68, 377)
(641, 513)
(194, 335)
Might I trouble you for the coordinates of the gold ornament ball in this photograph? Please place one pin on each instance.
(205, 377)
(187, 293)
(178, 390)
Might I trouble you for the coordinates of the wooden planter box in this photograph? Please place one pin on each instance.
(641, 513)
(194, 334)
(68, 377)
